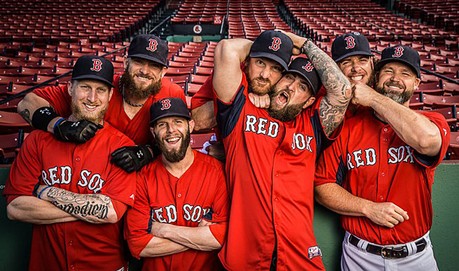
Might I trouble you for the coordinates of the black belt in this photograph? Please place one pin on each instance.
(389, 252)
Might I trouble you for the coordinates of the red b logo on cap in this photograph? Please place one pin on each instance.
(165, 104)
(96, 65)
(398, 51)
(308, 67)
(350, 42)
(275, 45)
(152, 45)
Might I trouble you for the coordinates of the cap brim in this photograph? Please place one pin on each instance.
(354, 53)
(307, 79)
(93, 77)
(147, 57)
(188, 117)
(272, 57)
(381, 63)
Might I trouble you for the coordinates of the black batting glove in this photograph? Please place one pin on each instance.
(75, 131)
(132, 158)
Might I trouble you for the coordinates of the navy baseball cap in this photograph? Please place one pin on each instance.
(93, 67)
(273, 45)
(403, 54)
(304, 67)
(350, 44)
(169, 107)
(149, 47)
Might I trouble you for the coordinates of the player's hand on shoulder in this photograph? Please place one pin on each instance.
(132, 158)
(75, 131)
(260, 101)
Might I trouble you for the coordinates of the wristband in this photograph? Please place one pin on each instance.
(41, 192)
(57, 123)
(42, 117)
(304, 44)
(35, 189)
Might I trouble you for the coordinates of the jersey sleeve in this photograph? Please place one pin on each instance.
(58, 97)
(25, 170)
(445, 133)
(330, 166)
(121, 185)
(137, 222)
(220, 208)
(205, 94)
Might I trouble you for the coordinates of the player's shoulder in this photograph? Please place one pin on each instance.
(207, 161)
(116, 135)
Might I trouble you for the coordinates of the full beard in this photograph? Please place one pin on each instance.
(287, 113)
(400, 98)
(175, 156)
(254, 87)
(133, 91)
(96, 117)
(259, 90)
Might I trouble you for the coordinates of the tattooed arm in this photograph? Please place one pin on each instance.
(339, 90)
(32, 210)
(92, 208)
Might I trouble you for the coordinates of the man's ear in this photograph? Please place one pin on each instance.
(69, 87)
(416, 83)
(152, 131)
(309, 102)
(191, 125)
(111, 93)
(126, 63)
(163, 71)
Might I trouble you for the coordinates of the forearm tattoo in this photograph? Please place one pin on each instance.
(338, 87)
(84, 206)
(26, 115)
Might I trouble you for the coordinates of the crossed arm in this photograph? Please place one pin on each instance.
(57, 205)
(171, 239)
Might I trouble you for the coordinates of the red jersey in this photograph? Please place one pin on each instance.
(270, 169)
(183, 201)
(79, 168)
(372, 162)
(137, 129)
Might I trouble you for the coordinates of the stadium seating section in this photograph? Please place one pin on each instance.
(40, 40)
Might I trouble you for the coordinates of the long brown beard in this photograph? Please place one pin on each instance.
(132, 91)
(178, 155)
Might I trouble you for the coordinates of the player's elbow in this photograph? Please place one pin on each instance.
(13, 213)
(112, 218)
(429, 145)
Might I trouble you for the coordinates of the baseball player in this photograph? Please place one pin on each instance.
(70, 192)
(141, 84)
(379, 172)
(262, 67)
(179, 217)
(270, 155)
(351, 51)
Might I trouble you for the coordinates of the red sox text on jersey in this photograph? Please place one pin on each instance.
(168, 214)
(367, 157)
(270, 128)
(63, 175)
